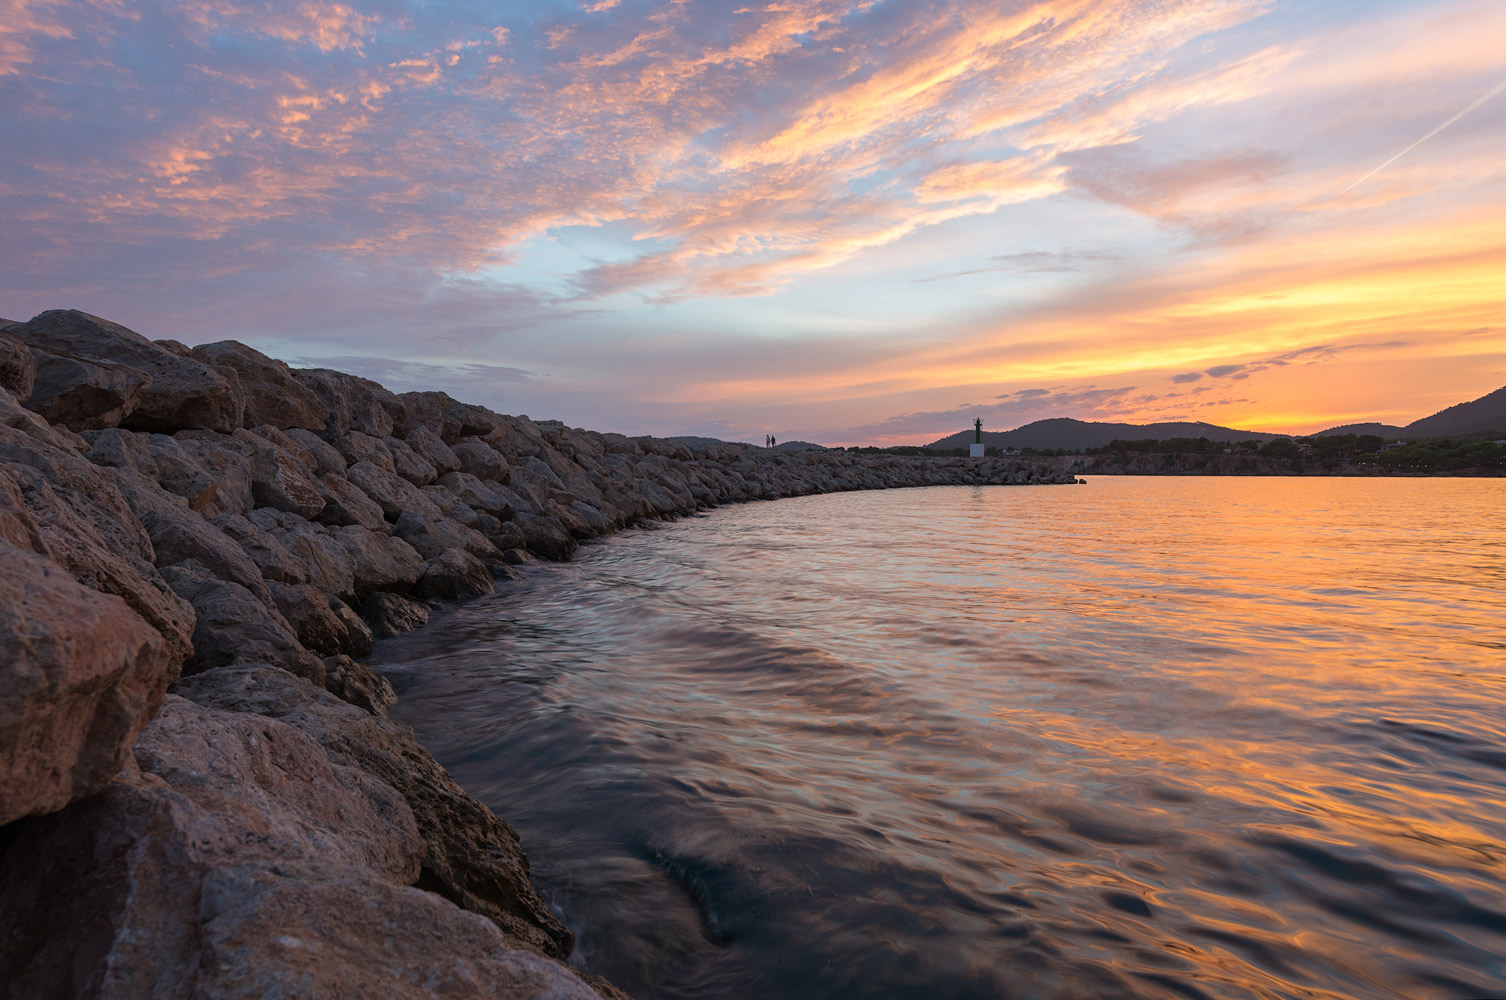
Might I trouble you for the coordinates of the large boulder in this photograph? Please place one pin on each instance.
(379, 561)
(449, 418)
(245, 863)
(83, 396)
(273, 395)
(472, 859)
(81, 674)
(393, 614)
(58, 505)
(454, 574)
(177, 392)
(234, 627)
(354, 403)
(18, 368)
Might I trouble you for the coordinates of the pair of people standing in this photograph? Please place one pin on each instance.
(768, 441)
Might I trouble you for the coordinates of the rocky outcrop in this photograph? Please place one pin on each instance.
(210, 519)
(152, 388)
(83, 673)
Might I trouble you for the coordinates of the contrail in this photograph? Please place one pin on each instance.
(1499, 87)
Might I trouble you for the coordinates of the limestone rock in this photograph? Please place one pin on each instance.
(433, 449)
(62, 507)
(454, 574)
(379, 561)
(234, 627)
(357, 641)
(311, 618)
(354, 447)
(545, 536)
(449, 418)
(358, 684)
(473, 859)
(81, 674)
(18, 368)
(245, 863)
(393, 614)
(390, 492)
(354, 403)
(273, 395)
(430, 538)
(326, 458)
(409, 464)
(478, 495)
(81, 395)
(345, 503)
(178, 392)
(278, 482)
(479, 459)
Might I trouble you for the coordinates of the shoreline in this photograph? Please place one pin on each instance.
(199, 547)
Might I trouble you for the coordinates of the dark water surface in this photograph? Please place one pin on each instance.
(1166, 737)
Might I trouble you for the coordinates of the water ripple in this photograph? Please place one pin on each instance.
(1164, 738)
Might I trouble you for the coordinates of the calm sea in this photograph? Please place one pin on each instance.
(1161, 737)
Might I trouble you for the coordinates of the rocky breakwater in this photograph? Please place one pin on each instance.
(200, 795)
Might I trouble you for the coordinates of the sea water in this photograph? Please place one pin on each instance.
(1144, 737)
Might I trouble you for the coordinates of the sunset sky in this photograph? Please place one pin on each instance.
(837, 221)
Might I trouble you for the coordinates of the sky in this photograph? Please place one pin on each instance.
(841, 221)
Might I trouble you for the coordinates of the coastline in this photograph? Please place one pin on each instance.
(198, 547)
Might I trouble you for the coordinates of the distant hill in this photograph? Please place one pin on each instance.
(1488, 413)
(1075, 435)
(1383, 430)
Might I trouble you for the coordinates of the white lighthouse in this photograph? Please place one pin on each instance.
(975, 450)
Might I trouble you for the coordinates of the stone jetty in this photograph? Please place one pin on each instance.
(200, 794)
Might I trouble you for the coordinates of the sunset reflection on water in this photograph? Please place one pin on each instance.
(1146, 737)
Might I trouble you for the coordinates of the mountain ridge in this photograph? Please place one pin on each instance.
(1487, 413)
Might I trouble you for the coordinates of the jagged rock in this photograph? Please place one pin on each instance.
(245, 862)
(18, 369)
(83, 396)
(62, 507)
(234, 627)
(393, 614)
(354, 403)
(118, 449)
(273, 395)
(473, 859)
(210, 471)
(358, 684)
(176, 347)
(454, 574)
(357, 641)
(354, 447)
(28, 424)
(81, 674)
(409, 464)
(449, 418)
(479, 459)
(345, 503)
(326, 458)
(379, 561)
(433, 450)
(392, 493)
(488, 498)
(178, 392)
(278, 482)
(430, 538)
(545, 536)
(311, 618)
(179, 535)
